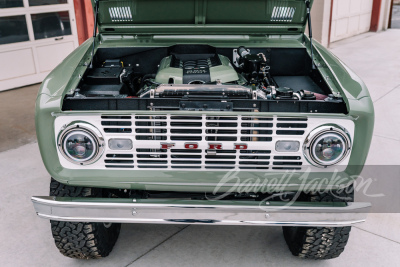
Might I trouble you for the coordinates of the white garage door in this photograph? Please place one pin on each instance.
(35, 36)
(350, 17)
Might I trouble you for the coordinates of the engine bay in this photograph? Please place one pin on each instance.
(201, 77)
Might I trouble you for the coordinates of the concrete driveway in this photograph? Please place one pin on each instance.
(25, 240)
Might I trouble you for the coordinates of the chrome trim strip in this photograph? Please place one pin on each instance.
(318, 132)
(199, 212)
(89, 130)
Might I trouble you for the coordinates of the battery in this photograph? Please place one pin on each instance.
(110, 75)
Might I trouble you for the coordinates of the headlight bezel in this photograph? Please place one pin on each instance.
(316, 134)
(88, 129)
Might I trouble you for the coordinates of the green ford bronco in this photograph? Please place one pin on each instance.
(213, 112)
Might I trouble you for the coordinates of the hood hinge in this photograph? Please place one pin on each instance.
(96, 13)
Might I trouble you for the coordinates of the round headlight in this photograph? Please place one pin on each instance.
(327, 146)
(81, 143)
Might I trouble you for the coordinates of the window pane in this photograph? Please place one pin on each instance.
(47, 25)
(46, 2)
(13, 29)
(11, 3)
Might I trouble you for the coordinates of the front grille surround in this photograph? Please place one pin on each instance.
(148, 131)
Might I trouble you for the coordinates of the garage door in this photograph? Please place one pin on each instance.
(350, 17)
(35, 36)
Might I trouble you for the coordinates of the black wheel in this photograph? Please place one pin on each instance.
(320, 243)
(82, 240)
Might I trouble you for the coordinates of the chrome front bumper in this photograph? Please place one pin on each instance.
(200, 212)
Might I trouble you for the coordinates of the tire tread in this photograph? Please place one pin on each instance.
(81, 240)
(320, 243)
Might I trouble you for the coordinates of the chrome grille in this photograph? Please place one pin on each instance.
(149, 131)
(119, 161)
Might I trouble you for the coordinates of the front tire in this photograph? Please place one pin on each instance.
(82, 240)
(320, 243)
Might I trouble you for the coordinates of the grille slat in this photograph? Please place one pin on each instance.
(122, 161)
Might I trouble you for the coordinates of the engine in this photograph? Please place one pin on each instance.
(195, 72)
(213, 75)
(196, 69)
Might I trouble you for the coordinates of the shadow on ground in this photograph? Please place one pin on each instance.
(17, 120)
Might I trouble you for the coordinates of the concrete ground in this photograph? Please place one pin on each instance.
(26, 240)
(18, 127)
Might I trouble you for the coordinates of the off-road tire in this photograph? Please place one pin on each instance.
(81, 240)
(320, 243)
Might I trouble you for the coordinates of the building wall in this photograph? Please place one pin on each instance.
(320, 14)
(84, 19)
(384, 15)
(34, 39)
(350, 18)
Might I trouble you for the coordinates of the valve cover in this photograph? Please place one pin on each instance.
(195, 69)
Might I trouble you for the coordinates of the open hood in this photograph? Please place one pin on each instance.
(201, 16)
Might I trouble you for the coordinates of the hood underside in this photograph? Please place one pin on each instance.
(202, 16)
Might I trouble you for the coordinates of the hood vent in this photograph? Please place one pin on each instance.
(120, 14)
(283, 14)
